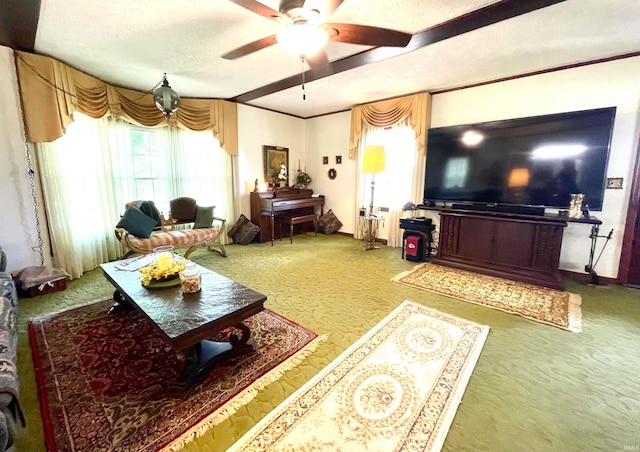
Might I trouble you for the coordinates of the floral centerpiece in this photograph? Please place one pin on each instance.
(152, 273)
(164, 266)
(282, 175)
(302, 178)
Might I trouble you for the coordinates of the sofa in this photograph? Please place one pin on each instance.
(10, 411)
(142, 228)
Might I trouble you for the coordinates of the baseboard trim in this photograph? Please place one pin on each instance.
(586, 277)
(347, 234)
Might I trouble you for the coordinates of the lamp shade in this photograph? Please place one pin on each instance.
(373, 161)
(166, 99)
(302, 40)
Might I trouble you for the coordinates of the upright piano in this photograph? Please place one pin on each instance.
(266, 206)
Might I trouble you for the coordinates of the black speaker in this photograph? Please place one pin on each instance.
(501, 208)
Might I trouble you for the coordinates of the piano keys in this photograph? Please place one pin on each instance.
(266, 206)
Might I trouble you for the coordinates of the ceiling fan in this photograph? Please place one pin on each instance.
(305, 32)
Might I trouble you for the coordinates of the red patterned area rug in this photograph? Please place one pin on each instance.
(102, 379)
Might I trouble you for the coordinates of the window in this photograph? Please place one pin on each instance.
(140, 159)
(393, 187)
(149, 153)
(99, 165)
(163, 164)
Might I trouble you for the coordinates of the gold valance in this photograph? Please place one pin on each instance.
(388, 112)
(51, 91)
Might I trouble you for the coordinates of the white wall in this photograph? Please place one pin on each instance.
(615, 83)
(308, 141)
(258, 127)
(328, 136)
(17, 218)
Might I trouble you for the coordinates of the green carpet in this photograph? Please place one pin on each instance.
(533, 388)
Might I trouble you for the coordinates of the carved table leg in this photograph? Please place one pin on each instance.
(199, 359)
(120, 303)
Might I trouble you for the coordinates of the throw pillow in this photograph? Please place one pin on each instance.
(204, 217)
(329, 223)
(234, 230)
(246, 233)
(137, 223)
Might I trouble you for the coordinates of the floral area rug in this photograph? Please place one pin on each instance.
(549, 306)
(396, 388)
(102, 379)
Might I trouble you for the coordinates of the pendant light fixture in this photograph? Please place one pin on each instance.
(166, 99)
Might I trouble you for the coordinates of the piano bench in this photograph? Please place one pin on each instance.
(292, 220)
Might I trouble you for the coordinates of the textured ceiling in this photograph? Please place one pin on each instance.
(131, 44)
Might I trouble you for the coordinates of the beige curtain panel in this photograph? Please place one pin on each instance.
(51, 91)
(388, 112)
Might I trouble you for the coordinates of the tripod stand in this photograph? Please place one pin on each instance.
(589, 268)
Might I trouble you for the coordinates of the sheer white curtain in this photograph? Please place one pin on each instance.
(403, 178)
(203, 171)
(79, 196)
(163, 164)
(100, 164)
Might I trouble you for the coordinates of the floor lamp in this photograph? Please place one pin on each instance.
(373, 162)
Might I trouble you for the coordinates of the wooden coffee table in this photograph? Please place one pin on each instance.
(187, 321)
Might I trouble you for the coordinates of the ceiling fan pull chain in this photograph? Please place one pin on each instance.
(304, 96)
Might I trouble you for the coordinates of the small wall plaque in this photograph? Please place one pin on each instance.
(338, 159)
(325, 160)
(614, 182)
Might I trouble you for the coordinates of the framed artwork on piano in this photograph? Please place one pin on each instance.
(274, 159)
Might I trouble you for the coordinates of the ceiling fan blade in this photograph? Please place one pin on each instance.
(370, 36)
(258, 8)
(319, 63)
(250, 48)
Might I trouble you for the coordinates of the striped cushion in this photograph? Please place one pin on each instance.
(185, 237)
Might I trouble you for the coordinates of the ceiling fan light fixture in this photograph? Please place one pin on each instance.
(166, 99)
(302, 40)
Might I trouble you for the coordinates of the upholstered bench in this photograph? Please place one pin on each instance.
(141, 233)
(191, 239)
(292, 220)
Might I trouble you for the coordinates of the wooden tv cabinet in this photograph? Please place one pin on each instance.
(518, 247)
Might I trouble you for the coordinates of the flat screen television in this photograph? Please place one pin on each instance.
(533, 161)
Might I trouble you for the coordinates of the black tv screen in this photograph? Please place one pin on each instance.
(533, 161)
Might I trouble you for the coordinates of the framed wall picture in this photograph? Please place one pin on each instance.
(338, 159)
(274, 157)
(325, 160)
